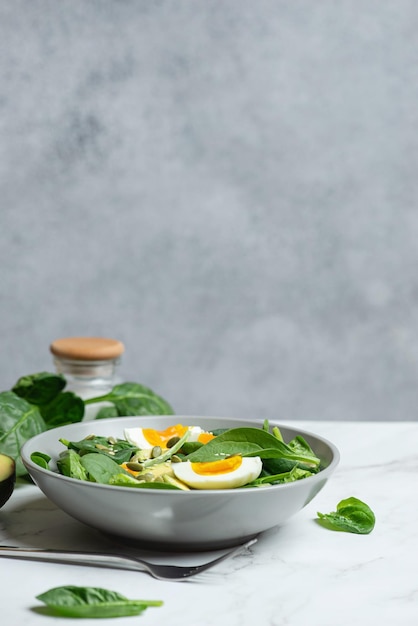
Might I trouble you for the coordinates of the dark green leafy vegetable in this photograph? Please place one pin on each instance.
(39, 389)
(105, 412)
(41, 459)
(19, 422)
(69, 464)
(66, 408)
(102, 457)
(92, 602)
(134, 399)
(120, 450)
(296, 473)
(45, 391)
(38, 402)
(255, 442)
(278, 466)
(190, 446)
(100, 467)
(352, 515)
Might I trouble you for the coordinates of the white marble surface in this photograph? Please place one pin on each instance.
(295, 575)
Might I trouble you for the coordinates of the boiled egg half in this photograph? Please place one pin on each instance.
(235, 471)
(147, 438)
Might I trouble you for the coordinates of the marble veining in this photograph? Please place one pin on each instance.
(294, 575)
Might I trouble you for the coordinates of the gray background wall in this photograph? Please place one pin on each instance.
(229, 187)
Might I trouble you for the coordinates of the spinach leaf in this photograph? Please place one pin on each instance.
(45, 391)
(296, 473)
(69, 464)
(223, 449)
(105, 412)
(352, 515)
(253, 442)
(100, 461)
(66, 408)
(278, 465)
(19, 422)
(39, 389)
(190, 446)
(299, 444)
(100, 468)
(41, 459)
(38, 402)
(120, 450)
(134, 399)
(92, 602)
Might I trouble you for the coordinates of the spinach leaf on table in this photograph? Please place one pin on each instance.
(352, 515)
(45, 391)
(134, 399)
(105, 412)
(19, 422)
(92, 602)
(39, 389)
(39, 402)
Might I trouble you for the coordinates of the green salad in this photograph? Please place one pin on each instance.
(187, 458)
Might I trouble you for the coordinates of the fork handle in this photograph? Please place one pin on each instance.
(76, 558)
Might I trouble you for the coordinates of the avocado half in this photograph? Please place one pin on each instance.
(7, 478)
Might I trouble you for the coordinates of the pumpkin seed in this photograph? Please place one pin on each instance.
(156, 451)
(135, 467)
(172, 442)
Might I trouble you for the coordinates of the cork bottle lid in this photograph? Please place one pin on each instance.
(87, 348)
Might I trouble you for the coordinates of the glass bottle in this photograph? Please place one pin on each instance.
(89, 365)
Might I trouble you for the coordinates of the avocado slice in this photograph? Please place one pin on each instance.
(7, 478)
(175, 482)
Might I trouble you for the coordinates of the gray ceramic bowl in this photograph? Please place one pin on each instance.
(175, 520)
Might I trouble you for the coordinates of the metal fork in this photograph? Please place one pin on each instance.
(120, 561)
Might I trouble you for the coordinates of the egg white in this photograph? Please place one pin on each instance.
(136, 437)
(248, 471)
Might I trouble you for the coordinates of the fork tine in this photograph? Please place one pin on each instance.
(161, 572)
(205, 566)
(182, 572)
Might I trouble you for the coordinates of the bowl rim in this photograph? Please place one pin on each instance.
(32, 467)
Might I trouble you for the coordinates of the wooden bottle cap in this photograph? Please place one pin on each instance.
(87, 348)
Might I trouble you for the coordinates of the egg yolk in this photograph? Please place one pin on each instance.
(205, 437)
(217, 467)
(160, 437)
